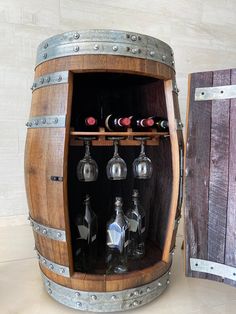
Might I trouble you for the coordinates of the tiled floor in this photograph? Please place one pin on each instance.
(21, 289)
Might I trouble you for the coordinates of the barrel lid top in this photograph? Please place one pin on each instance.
(105, 41)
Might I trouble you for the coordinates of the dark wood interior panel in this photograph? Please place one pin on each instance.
(121, 94)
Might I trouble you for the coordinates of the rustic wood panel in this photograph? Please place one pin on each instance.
(218, 184)
(197, 172)
(210, 229)
(230, 246)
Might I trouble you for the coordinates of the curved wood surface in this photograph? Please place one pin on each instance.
(46, 154)
(108, 283)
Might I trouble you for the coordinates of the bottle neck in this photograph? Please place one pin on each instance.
(136, 203)
(119, 211)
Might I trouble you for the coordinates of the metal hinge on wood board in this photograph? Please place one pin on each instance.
(213, 268)
(215, 93)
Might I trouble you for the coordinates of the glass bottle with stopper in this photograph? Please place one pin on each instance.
(86, 237)
(137, 227)
(117, 240)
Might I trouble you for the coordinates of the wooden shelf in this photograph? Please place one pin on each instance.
(102, 138)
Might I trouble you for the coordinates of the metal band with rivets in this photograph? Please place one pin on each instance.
(107, 301)
(213, 268)
(48, 232)
(54, 267)
(215, 93)
(105, 42)
(52, 121)
(50, 79)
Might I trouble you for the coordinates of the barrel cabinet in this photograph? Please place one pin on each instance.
(128, 73)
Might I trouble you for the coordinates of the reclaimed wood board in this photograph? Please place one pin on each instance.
(210, 188)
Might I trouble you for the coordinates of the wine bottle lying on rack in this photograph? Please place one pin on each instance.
(141, 124)
(87, 124)
(117, 123)
(160, 124)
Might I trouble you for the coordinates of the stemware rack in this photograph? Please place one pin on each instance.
(130, 138)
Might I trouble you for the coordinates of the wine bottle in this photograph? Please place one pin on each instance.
(86, 238)
(117, 240)
(160, 124)
(141, 124)
(116, 123)
(87, 124)
(137, 227)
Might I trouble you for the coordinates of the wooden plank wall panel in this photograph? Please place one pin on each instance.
(230, 256)
(218, 185)
(197, 173)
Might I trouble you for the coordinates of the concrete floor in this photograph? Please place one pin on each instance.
(22, 292)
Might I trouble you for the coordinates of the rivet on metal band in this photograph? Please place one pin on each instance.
(107, 42)
(107, 301)
(50, 79)
(54, 267)
(215, 93)
(175, 87)
(51, 233)
(213, 268)
(177, 222)
(179, 125)
(51, 121)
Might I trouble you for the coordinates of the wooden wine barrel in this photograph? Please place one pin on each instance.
(74, 73)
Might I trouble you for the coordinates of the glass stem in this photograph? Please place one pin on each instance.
(142, 152)
(87, 148)
(115, 148)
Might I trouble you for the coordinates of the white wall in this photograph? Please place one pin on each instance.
(202, 34)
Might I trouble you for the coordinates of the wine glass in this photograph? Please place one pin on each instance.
(116, 166)
(87, 168)
(142, 166)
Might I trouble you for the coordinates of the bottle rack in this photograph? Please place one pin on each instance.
(130, 138)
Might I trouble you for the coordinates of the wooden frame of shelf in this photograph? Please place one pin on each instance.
(102, 138)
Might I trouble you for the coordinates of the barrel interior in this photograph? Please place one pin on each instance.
(122, 94)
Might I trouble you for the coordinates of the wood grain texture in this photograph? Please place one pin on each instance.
(106, 63)
(210, 171)
(104, 283)
(230, 245)
(197, 173)
(175, 169)
(218, 184)
(47, 152)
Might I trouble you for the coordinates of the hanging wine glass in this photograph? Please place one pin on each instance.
(116, 167)
(142, 166)
(87, 168)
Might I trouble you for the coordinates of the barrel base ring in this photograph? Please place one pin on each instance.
(107, 301)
